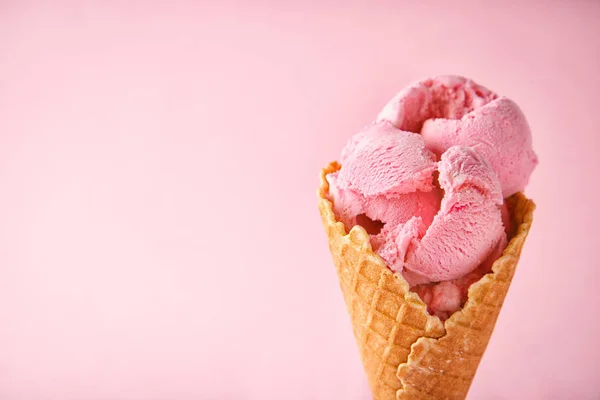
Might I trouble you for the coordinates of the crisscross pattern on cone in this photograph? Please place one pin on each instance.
(407, 353)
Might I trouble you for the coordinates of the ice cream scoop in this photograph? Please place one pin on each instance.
(386, 184)
(384, 160)
(427, 181)
(452, 110)
(468, 225)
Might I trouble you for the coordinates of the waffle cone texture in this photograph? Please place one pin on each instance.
(407, 353)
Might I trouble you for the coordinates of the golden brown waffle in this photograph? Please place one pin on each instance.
(407, 353)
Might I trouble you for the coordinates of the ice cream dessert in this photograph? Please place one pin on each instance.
(441, 236)
(420, 197)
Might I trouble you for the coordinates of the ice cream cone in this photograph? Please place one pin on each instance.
(407, 353)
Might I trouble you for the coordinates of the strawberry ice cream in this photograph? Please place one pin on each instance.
(427, 181)
(452, 110)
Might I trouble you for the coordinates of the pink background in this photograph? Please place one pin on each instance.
(159, 236)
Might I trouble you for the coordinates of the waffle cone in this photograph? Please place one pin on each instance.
(407, 353)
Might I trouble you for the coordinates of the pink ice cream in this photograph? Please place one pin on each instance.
(430, 191)
(452, 110)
